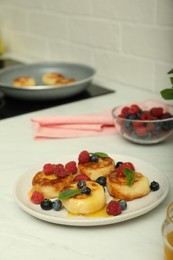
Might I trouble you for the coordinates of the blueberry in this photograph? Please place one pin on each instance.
(154, 186)
(86, 190)
(148, 136)
(138, 116)
(118, 164)
(167, 126)
(101, 180)
(127, 115)
(81, 184)
(57, 205)
(134, 135)
(128, 125)
(46, 204)
(123, 204)
(132, 117)
(94, 158)
(158, 127)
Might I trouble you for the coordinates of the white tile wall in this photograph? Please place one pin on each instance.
(129, 41)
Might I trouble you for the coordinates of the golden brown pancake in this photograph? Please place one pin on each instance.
(51, 78)
(118, 188)
(64, 81)
(24, 82)
(56, 79)
(93, 170)
(50, 185)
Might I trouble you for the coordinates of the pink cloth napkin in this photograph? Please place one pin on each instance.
(74, 126)
(97, 124)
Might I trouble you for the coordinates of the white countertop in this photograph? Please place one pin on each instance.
(25, 237)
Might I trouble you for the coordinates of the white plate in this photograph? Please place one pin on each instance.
(134, 209)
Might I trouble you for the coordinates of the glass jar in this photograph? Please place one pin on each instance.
(167, 233)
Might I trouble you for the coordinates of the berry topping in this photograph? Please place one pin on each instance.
(71, 167)
(141, 131)
(118, 164)
(81, 177)
(101, 180)
(146, 116)
(133, 110)
(166, 115)
(123, 204)
(113, 208)
(57, 205)
(154, 186)
(94, 158)
(81, 184)
(142, 124)
(46, 204)
(124, 111)
(157, 111)
(60, 170)
(84, 157)
(127, 165)
(86, 190)
(37, 197)
(48, 168)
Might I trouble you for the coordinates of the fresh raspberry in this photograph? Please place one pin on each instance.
(137, 124)
(146, 116)
(150, 127)
(48, 169)
(128, 165)
(37, 197)
(122, 115)
(166, 116)
(124, 110)
(71, 167)
(141, 131)
(81, 177)
(133, 110)
(113, 208)
(156, 111)
(60, 170)
(84, 157)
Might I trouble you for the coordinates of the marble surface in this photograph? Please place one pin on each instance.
(25, 237)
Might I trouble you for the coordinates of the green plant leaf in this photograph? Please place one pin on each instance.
(100, 154)
(171, 71)
(171, 79)
(130, 176)
(66, 194)
(167, 93)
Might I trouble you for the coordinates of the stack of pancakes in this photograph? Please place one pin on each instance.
(51, 185)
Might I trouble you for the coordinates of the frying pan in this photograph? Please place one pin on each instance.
(83, 75)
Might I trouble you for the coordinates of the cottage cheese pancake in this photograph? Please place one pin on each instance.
(118, 188)
(93, 170)
(51, 78)
(50, 185)
(24, 82)
(84, 203)
(56, 79)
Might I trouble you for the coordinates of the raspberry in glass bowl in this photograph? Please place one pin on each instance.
(145, 123)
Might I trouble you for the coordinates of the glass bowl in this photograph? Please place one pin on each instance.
(144, 124)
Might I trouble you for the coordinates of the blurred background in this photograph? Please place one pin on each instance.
(128, 41)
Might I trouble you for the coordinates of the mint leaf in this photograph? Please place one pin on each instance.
(130, 176)
(100, 154)
(68, 194)
(167, 93)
